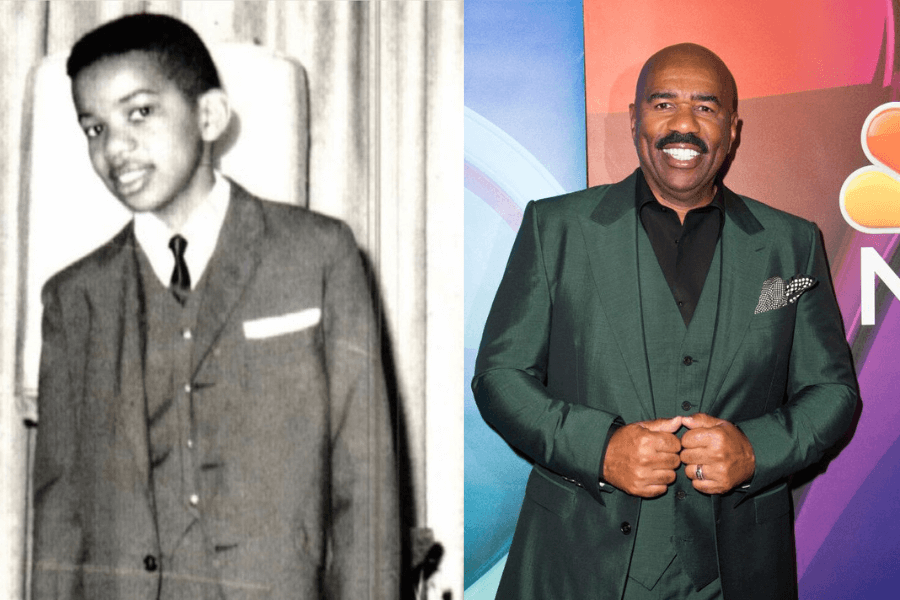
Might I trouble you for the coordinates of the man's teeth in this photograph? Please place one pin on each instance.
(130, 176)
(681, 153)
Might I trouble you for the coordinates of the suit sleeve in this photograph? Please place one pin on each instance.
(364, 540)
(57, 531)
(510, 383)
(821, 391)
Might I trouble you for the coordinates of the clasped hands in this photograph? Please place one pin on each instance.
(642, 458)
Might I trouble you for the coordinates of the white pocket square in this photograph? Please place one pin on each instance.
(267, 327)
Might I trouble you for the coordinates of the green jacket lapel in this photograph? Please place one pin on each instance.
(610, 238)
(745, 251)
(234, 262)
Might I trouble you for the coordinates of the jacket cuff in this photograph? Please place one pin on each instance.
(613, 428)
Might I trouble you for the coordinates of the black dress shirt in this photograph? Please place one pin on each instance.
(684, 251)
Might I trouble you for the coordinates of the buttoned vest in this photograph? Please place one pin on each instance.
(184, 564)
(682, 520)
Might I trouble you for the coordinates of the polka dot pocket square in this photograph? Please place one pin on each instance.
(778, 293)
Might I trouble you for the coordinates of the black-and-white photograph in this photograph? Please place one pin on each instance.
(231, 299)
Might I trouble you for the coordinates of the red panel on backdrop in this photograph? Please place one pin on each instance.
(771, 46)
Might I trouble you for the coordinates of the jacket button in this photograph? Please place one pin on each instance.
(625, 527)
(687, 361)
(686, 405)
(150, 563)
(680, 495)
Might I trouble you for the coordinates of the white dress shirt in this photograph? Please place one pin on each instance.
(200, 229)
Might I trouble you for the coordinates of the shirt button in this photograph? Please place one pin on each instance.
(686, 405)
(680, 303)
(680, 495)
(625, 527)
(186, 334)
(687, 361)
(194, 500)
(150, 563)
(190, 443)
(187, 386)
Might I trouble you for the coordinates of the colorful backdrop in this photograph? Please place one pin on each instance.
(547, 88)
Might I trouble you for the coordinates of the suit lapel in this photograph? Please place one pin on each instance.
(120, 322)
(237, 254)
(745, 251)
(610, 238)
(120, 325)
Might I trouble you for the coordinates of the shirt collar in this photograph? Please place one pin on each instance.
(644, 195)
(201, 230)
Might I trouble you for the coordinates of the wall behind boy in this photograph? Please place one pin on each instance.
(385, 85)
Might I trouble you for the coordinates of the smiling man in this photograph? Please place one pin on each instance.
(667, 353)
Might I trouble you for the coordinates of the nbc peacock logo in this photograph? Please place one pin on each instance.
(870, 201)
(870, 196)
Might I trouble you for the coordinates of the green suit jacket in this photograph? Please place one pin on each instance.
(563, 357)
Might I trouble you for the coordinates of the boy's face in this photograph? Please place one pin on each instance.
(144, 136)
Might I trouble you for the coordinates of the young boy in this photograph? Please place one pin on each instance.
(213, 419)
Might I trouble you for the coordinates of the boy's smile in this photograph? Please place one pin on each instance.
(144, 135)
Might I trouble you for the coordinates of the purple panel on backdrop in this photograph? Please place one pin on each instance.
(878, 429)
(859, 559)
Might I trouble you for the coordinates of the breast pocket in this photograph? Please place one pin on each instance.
(272, 361)
(778, 318)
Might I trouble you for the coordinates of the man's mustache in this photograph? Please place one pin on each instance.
(676, 137)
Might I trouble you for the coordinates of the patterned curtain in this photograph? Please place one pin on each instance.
(385, 102)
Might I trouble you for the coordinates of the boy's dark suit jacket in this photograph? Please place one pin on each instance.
(303, 503)
(563, 355)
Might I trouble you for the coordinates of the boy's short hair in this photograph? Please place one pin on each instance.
(182, 55)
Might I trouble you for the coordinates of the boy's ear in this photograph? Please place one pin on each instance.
(214, 113)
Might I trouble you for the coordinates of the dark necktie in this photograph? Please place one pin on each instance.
(181, 280)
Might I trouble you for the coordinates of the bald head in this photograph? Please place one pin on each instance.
(689, 55)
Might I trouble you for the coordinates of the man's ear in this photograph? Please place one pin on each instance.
(632, 113)
(213, 113)
(735, 120)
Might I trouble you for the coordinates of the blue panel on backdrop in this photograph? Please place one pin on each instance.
(525, 139)
(524, 72)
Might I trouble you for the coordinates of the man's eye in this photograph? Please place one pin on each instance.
(663, 105)
(93, 131)
(140, 113)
